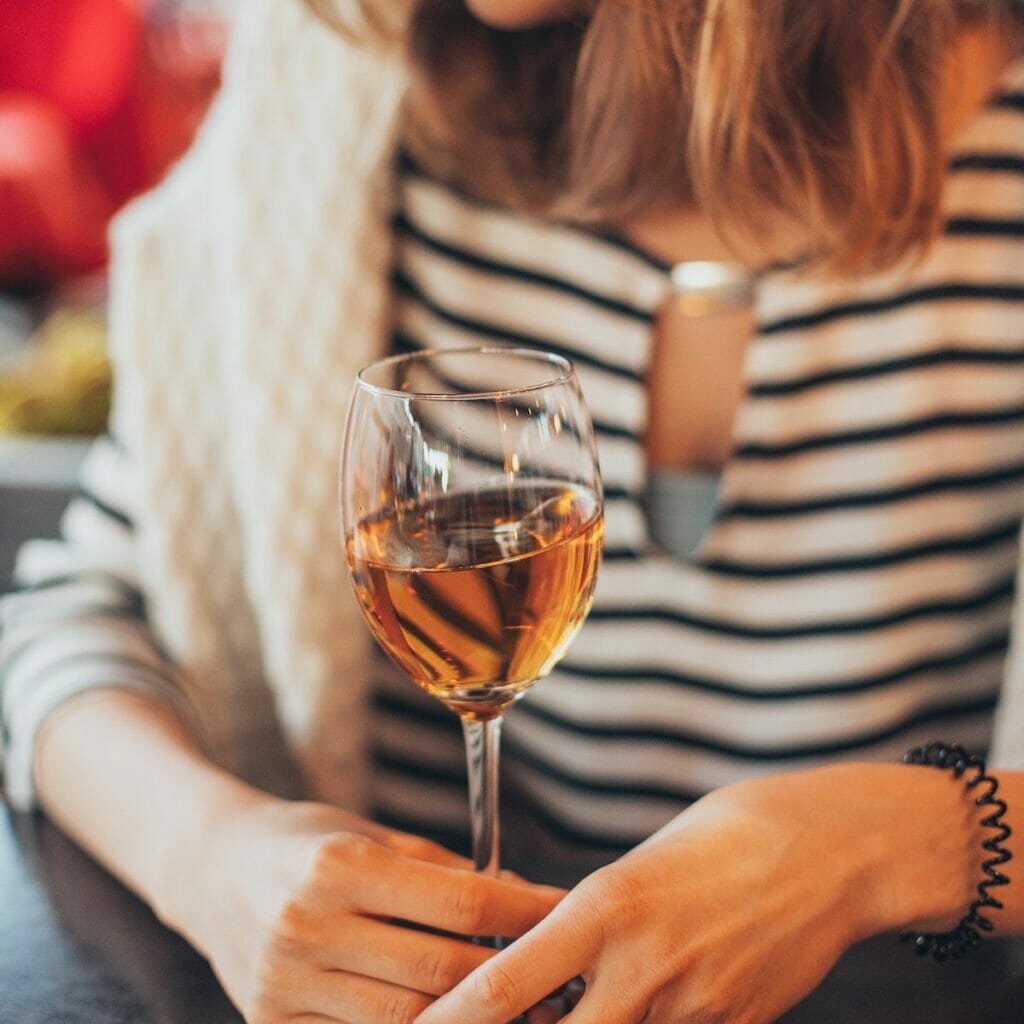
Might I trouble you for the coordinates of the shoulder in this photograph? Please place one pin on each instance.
(293, 90)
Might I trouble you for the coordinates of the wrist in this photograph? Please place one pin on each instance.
(923, 848)
(188, 876)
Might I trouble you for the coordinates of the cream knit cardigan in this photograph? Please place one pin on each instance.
(247, 290)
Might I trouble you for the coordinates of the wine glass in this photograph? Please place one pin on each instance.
(472, 520)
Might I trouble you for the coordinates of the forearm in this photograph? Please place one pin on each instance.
(122, 775)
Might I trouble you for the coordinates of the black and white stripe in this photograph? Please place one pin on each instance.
(76, 620)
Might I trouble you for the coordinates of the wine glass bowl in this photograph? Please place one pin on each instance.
(472, 523)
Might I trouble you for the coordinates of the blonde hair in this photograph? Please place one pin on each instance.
(821, 117)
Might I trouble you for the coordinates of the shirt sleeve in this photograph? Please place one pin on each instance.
(76, 620)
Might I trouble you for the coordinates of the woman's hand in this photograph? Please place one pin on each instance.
(298, 906)
(738, 908)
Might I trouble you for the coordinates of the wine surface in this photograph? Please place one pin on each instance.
(476, 596)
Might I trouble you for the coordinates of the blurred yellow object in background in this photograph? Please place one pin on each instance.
(61, 383)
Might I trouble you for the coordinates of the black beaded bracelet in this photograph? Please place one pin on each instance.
(968, 932)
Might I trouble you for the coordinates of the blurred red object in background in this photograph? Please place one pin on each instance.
(97, 98)
(53, 211)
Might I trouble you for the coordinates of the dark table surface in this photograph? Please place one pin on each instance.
(77, 948)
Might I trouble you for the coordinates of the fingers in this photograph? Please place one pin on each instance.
(432, 964)
(363, 966)
(352, 999)
(406, 843)
(449, 899)
(425, 850)
(518, 978)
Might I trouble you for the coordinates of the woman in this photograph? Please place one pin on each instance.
(849, 599)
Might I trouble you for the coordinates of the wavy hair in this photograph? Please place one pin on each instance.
(821, 117)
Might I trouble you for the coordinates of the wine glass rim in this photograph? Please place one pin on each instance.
(565, 372)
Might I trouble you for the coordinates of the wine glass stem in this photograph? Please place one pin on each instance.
(483, 740)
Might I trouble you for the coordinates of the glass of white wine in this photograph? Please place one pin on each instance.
(472, 520)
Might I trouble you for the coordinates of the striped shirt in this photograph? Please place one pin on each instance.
(850, 598)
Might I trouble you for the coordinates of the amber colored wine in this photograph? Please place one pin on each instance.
(477, 595)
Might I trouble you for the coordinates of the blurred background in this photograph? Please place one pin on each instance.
(98, 98)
